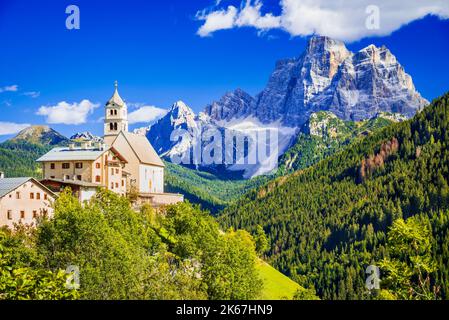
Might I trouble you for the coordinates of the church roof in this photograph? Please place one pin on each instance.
(116, 97)
(143, 149)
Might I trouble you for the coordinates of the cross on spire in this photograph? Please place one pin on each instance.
(116, 84)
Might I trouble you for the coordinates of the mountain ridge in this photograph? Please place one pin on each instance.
(327, 76)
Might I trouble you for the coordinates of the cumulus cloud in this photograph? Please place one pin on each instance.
(11, 88)
(32, 94)
(217, 20)
(68, 113)
(343, 20)
(11, 128)
(146, 114)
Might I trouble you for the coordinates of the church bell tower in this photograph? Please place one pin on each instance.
(116, 117)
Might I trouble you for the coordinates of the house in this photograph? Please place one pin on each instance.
(84, 169)
(23, 200)
(125, 163)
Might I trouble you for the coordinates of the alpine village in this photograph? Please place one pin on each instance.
(362, 180)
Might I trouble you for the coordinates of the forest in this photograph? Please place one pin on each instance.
(180, 253)
(326, 224)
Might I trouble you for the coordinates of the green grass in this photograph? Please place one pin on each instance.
(276, 285)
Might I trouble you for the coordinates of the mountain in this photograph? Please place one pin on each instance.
(186, 137)
(18, 155)
(85, 136)
(323, 135)
(327, 223)
(326, 77)
(236, 104)
(179, 117)
(42, 135)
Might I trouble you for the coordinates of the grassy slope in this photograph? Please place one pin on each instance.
(276, 285)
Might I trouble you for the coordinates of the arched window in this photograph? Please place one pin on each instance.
(115, 112)
(115, 126)
(112, 112)
(111, 126)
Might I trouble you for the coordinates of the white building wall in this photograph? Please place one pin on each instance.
(19, 202)
(151, 179)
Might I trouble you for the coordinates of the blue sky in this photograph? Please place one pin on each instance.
(155, 52)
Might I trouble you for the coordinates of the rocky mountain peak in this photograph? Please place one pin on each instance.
(179, 114)
(323, 56)
(85, 136)
(233, 104)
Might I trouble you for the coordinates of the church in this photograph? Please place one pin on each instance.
(125, 163)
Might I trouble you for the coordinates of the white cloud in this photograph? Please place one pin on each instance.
(11, 88)
(217, 20)
(146, 114)
(32, 94)
(250, 16)
(343, 20)
(66, 113)
(11, 128)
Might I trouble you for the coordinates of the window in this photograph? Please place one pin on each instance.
(115, 126)
(52, 166)
(67, 177)
(97, 165)
(97, 179)
(112, 185)
(116, 184)
(111, 126)
(66, 166)
(115, 112)
(9, 214)
(17, 195)
(116, 171)
(112, 112)
(45, 196)
(38, 196)
(112, 171)
(123, 183)
(22, 214)
(31, 196)
(78, 177)
(79, 165)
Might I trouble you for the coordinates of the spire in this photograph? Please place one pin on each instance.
(116, 97)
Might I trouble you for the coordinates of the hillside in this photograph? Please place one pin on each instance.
(18, 155)
(18, 159)
(327, 223)
(324, 134)
(211, 191)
